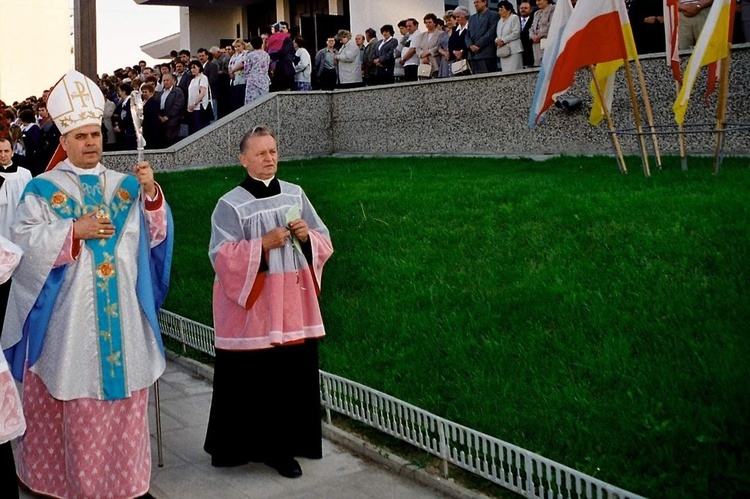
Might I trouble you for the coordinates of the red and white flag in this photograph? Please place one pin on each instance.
(595, 33)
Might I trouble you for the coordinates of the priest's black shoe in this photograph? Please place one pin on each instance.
(287, 467)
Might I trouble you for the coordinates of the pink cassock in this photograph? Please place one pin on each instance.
(255, 310)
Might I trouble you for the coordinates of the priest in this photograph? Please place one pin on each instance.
(268, 247)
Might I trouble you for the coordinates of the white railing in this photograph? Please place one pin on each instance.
(505, 464)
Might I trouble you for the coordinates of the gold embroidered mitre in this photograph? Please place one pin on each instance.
(75, 101)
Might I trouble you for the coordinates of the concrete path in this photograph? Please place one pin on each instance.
(187, 472)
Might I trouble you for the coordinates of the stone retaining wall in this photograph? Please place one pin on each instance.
(476, 115)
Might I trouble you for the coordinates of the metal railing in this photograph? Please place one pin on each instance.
(500, 462)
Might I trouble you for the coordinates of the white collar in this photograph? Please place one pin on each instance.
(267, 182)
(67, 165)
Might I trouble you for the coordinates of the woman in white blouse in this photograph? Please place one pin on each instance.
(508, 41)
(198, 98)
(237, 75)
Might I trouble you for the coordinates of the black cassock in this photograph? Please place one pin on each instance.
(266, 403)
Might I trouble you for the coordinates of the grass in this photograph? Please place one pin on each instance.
(598, 319)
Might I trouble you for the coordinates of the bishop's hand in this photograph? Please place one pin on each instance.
(89, 226)
(145, 176)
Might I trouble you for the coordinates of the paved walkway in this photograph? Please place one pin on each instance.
(187, 472)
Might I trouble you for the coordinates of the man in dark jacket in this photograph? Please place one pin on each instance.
(211, 70)
(171, 106)
(526, 16)
(480, 39)
(324, 69)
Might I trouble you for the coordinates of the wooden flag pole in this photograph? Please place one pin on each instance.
(681, 137)
(637, 116)
(721, 110)
(649, 112)
(613, 133)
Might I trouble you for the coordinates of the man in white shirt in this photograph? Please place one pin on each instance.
(409, 57)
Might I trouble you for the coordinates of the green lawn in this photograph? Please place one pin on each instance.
(598, 319)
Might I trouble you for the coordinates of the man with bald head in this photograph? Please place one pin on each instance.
(171, 107)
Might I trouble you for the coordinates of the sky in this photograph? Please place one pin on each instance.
(123, 26)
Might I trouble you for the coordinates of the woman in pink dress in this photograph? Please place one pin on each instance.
(257, 81)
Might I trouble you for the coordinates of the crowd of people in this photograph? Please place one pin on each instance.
(187, 93)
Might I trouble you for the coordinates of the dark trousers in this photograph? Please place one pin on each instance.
(237, 97)
(327, 80)
(480, 66)
(410, 73)
(385, 75)
(284, 421)
(196, 121)
(171, 133)
(8, 480)
(344, 86)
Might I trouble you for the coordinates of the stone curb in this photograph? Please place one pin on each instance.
(397, 465)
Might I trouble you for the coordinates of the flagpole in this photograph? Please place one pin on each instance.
(637, 116)
(649, 112)
(613, 132)
(671, 21)
(681, 137)
(721, 111)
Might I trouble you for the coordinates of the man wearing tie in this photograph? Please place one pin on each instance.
(526, 15)
(171, 106)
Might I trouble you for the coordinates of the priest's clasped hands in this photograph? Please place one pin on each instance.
(276, 238)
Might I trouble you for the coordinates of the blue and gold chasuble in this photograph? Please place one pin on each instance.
(151, 285)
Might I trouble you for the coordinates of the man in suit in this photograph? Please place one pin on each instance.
(369, 70)
(32, 141)
(480, 38)
(50, 133)
(151, 124)
(526, 16)
(122, 119)
(211, 70)
(384, 60)
(182, 77)
(171, 106)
